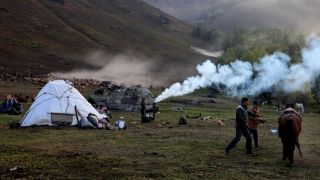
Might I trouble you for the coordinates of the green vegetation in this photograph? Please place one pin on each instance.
(252, 45)
(30, 43)
(215, 12)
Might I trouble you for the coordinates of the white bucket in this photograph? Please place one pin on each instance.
(120, 124)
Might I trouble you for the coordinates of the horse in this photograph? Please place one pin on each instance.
(289, 130)
(300, 107)
(20, 98)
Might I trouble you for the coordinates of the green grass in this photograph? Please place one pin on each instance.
(147, 151)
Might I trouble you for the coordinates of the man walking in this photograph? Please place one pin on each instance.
(253, 122)
(242, 126)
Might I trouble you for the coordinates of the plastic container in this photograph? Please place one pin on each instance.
(274, 131)
(120, 124)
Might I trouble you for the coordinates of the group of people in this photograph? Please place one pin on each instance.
(247, 123)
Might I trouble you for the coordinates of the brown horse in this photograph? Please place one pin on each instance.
(289, 130)
(20, 98)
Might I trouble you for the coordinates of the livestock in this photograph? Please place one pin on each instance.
(289, 130)
(82, 87)
(33, 98)
(300, 107)
(20, 98)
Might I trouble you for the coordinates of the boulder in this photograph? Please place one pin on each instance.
(125, 99)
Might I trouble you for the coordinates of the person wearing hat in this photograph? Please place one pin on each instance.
(253, 122)
(143, 110)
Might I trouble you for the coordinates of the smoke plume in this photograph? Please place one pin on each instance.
(124, 69)
(271, 71)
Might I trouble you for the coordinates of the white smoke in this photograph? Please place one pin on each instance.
(206, 52)
(271, 71)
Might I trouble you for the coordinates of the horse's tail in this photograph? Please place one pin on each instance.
(287, 130)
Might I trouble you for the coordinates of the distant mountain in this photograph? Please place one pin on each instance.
(227, 15)
(42, 36)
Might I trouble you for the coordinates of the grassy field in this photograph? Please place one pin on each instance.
(161, 149)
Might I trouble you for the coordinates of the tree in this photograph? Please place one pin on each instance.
(253, 55)
(196, 31)
(237, 38)
(214, 35)
(226, 42)
(316, 90)
(293, 48)
(227, 57)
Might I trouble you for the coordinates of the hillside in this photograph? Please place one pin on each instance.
(44, 36)
(250, 14)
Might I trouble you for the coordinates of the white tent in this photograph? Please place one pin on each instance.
(57, 97)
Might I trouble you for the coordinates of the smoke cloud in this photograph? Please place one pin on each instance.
(271, 71)
(120, 69)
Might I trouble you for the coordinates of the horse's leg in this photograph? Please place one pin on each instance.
(298, 146)
(284, 151)
(291, 151)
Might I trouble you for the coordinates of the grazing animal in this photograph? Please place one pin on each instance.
(219, 122)
(33, 98)
(300, 107)
(82, 87)
(20, 98)
(289, 129)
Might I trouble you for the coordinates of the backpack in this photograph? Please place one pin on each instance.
(14, 124)
(182, 121)
(16, 109)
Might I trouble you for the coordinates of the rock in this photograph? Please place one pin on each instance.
(125, 99)
(210, 100)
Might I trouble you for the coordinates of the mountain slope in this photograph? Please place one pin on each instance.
(250, 14)
(42, 36)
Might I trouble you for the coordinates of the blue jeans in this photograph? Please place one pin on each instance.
(241, 130)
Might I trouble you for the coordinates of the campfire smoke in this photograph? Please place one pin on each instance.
(271, 71)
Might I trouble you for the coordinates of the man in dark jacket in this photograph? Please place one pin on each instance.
(143, 110)
(242, 126)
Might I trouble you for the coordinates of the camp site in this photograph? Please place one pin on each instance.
(160, 149)
(150, 89)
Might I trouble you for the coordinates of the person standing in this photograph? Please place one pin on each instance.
(143, 110)
(242, 126)
(253, 122)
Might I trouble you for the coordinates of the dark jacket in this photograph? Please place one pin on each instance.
(143, 108)
(242, 114)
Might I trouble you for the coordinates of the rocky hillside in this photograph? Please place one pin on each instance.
(42, 36)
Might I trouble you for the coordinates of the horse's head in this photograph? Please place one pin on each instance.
(290, 105)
